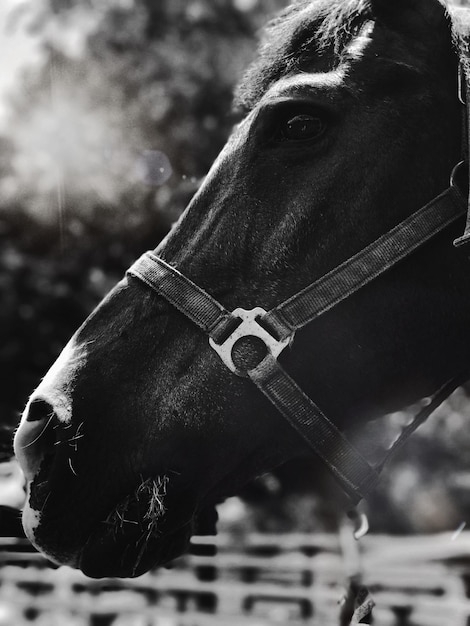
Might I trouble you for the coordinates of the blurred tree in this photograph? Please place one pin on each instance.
(107, 140)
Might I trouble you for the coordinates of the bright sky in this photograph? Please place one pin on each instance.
(17, 47)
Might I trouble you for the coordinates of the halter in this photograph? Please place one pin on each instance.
(276, 329)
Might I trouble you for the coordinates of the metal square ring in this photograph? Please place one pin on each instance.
(249, 327)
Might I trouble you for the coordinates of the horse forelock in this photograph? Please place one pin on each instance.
(306, 32)
(312, 35)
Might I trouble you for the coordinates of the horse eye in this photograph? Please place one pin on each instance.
(302, 127)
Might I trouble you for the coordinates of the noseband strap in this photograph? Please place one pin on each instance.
(183, 294)
(276, 329)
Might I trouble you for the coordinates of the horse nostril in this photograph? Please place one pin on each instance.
(36, 437)
(39, 410)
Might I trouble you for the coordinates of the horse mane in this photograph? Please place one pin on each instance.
(296, 38)
(461, 38)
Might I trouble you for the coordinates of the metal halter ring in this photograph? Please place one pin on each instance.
(249, 327)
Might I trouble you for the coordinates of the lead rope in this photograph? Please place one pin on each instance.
(357, 603)
(432, 403)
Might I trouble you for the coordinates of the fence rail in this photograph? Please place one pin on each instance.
(257, 580)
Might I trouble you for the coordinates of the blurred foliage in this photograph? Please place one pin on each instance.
(124, 90)
(108, 137)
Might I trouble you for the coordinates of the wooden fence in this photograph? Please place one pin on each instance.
(257, 580)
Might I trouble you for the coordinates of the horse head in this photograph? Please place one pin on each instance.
(351, 122)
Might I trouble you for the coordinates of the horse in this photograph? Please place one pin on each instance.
(161, 404)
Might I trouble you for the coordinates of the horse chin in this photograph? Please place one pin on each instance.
(138, 543)
(132, 552)
(138, 534)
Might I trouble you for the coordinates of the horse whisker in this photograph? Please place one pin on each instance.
(45, 501)
(75, 438)
(40, 434)
(138, 558)
(154, 491)
(144, 538)
(72, 442)
(71, 467)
